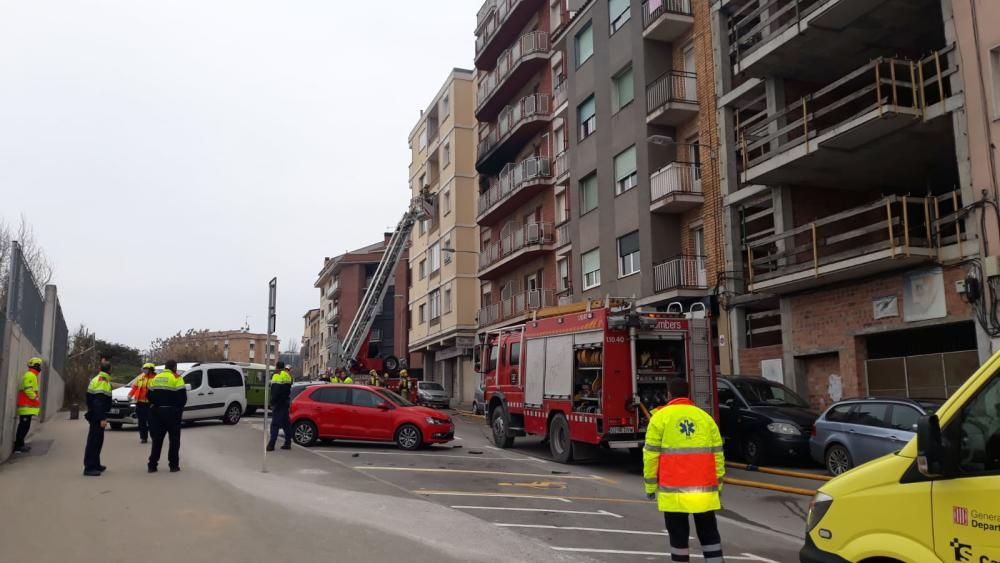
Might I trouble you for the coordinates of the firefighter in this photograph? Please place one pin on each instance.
(167, 395)
(281, 388)
(98, 405)
(140, 394)
(404, 384)
(373, 379)
(29, 403)
(683, 468)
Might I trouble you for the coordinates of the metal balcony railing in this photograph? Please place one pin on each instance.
(560, 92)
(512, 179)
(515, 305)
(676, 177)
(682, 272)
(653, 9)
(528, 108)
(754, 23)
(485, 11)
(561, 166)
(490, 18)
(515, 239)
(564, 235)
(528, 44)
(672, 86)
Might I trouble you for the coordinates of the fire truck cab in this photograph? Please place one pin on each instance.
(590, 374)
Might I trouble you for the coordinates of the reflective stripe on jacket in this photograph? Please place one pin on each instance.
(281, 388)
(29, 402)
(140, 389)
(682, 459)
(99, 397)
(167, 390)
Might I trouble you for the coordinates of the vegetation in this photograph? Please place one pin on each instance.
(189, 346)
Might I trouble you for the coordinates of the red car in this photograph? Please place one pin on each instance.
(371, 414)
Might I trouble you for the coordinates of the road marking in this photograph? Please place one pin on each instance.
(741, 557)
(581, 512)
(501, 495)
(364, 452)
(581, 529)
(472, 472)
(599, 499)
(537, 485)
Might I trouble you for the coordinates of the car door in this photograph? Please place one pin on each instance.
(728, 411)
(225, 385)
(196, 395)
(369, 422)
(868, 432)
(332, 411)
(902, 424)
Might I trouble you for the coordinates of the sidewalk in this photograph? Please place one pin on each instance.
(220, 507)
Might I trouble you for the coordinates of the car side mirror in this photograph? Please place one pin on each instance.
(730, 402)
(932, 455)
(384, 406)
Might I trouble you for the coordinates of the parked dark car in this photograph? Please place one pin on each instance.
(764, 421)
(478, 400)
(856, 431)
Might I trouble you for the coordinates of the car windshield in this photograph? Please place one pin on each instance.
(765, 392)
(396, 398)
(430, 386)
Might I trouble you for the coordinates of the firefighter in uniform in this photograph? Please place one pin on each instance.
(683, 467)
(281, 388)
(98, 405)
(373, 378)
(167, 397)
(404, 384)
(29, 403)
(140, 394)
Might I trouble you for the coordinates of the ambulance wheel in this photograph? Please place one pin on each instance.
(500, 424)
(560, 443)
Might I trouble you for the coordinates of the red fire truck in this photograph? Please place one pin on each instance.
(589, 374)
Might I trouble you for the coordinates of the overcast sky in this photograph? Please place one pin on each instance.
(173, 156)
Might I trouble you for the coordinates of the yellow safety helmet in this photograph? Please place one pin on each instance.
(35, 363)
(148, 365)
(403, 372)
(372, 372)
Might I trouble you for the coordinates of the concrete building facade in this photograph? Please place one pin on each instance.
(443, 289)
(241, 345)
(313, 338)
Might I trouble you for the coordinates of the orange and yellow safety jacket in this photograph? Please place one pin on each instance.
(140, 389)
(29, 401)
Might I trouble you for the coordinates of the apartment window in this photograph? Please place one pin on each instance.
(560, 139)
(562, 210)
(626, 177)
(446, 257)
(434, 257)
(409, 317)
(562, 266)
(422, 313)
(628, 254)
(445, 106)
(584, 44)
(446, 202)
(434, 302)
(446, 155)
(423, 139)
(590, 263)
(423, 269)
(623, 91)
(619, 13)
(555, 14)
(586, 116)
(588, 194)
(446, 300)
(995, 67)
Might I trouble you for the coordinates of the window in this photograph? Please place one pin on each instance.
(904, 417)
(619, 12)
(193, 378)
(331, 395)
(446, 201)
(562, 210)
(251, 345)
(588, 194)
(626, 177)
(584, 44)
(623, 91)
(586, 116)
(995, 68)
(869, 414)
(555, 15)
(434, 300)
(979, 431)
(447, 256)
(434, 257)
(726, 396)
(560, 139)
(446, 301)
(494, 354)
(698, 241)
(563, 267)
(514, 356)
(445, 106)
(628, 254)
(591, 264)
(839, 413)
(224, 377)
(445, 155)
(422, 314)
(422, 269)
(423, 139)
(367, 399)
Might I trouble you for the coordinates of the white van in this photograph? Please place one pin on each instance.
(216, 390)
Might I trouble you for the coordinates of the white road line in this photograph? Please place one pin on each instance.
(581, 512)
(363, 452)
(500, 495)
(581, 529)
(475, 472)
(516, 458)
(741, 557)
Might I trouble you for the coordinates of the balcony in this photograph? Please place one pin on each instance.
(516, 125)
(514, 186)
(515, 66)
(561, 166)
(876, 124)
(560, 92)
(496, 21)
(672, 98)
(681, 273)
(516, 306)
(517, 244)
(666, 20)
(564, 235)
(675, 188)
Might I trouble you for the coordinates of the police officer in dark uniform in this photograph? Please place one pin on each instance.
(281, 390)
(167, 395)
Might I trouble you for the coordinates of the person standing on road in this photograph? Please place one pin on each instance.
(335, 377)
(373, 378)
(98, 405)
(683, 468)
(167, 397)
(346, 378)
(140, 394)
(281, 390)
(29, 403)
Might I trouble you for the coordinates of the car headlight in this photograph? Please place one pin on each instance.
(818, 508)
(784, 428)
(432, 420)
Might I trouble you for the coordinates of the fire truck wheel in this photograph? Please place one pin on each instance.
(500, 424)
(559, 439)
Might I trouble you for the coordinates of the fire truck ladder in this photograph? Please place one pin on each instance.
(421, 207)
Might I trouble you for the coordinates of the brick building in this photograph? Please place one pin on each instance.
(237, 345)
(313, 343)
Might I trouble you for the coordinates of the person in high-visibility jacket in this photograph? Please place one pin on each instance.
(683, 467)
(281, 389)
(29, 403)
(140, 394)
(167, 397)
(373, 378)
(98, 405)
(346, 377)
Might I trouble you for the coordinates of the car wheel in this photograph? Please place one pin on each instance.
(408, 437)
(753, 450)
(233, 413)
(838, 460)
(115, 425)
(304, 433)
(560, 444)
(250, 411)
(500, 424)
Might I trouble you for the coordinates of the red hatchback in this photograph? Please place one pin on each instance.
(361, 412)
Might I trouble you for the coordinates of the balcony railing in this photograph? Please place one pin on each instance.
(512, 179)
(672, 86)
(653, 9)
(676, 177)
(529, 108)
(514, 240)
(491, 18)
(561, 164)
(515, 305)
(683, 272)
(564, 235)
(484, 11)
(751, 25)
(560, 92)
(528, 44)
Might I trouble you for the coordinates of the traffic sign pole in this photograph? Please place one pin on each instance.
(272, 294)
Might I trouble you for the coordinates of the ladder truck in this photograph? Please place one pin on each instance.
(358, 334)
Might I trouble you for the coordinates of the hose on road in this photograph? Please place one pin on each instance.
(769, 486)
(783, 472)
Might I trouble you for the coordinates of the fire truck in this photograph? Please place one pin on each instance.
(588, 375)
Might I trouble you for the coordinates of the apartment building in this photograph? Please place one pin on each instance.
(636, 192)
(444, 292)
(233, 345)
(342, 284)
(846, 176)
(313, 340)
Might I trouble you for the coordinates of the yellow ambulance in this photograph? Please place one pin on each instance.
(938, 499)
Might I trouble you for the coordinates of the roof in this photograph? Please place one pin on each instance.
(330, 265)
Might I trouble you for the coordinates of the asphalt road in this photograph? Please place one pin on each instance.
(595, 509)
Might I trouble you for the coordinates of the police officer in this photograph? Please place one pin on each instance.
(98, 405)
(685, 441)
(29, 403)
(346, 377)
(334, 377)
(140, 394)
(167, 397)
(281, 389)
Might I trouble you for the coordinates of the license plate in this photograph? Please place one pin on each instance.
(114, 411)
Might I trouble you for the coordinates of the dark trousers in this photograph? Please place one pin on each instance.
(142, 413)
(280, 421)
(23, 425)
(95, 442)
(165, 422)
(679, 529)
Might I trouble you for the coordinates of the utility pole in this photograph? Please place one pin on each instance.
(272, 294)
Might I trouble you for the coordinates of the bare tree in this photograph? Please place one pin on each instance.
(189, 346)
(292, 346)
(32, 251)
